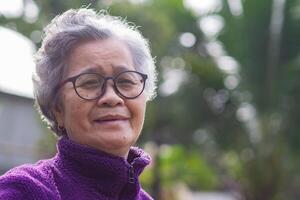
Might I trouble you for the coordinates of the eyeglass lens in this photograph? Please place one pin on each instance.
(92, 86)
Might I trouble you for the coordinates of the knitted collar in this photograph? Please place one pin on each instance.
(109, 173)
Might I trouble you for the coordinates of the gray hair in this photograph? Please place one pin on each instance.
(63, 34)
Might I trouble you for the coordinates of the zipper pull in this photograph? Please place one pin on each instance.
(131, 174)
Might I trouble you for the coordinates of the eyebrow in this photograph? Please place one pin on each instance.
(99, 69)
(92, 70)
(121, 68)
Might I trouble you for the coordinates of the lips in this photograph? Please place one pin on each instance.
(110, 118)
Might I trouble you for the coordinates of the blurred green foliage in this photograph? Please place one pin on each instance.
(218, 130)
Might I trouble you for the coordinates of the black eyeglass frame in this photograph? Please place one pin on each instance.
(113, 78)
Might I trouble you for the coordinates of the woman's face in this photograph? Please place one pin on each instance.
(111, 123)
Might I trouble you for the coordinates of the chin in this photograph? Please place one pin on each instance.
(115, 141)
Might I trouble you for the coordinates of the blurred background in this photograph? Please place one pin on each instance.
(225, 123)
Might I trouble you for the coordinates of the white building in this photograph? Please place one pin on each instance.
(21, 129)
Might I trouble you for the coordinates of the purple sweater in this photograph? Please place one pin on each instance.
(77, 172)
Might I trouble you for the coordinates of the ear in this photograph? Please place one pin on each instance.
(59, 115)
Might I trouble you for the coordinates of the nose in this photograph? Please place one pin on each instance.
(110, 97)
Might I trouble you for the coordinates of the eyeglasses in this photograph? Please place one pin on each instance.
(91, 86)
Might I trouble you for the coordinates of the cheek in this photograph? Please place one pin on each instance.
(75, 111)
(139, 113)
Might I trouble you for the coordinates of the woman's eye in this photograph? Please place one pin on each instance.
(126, 82)
(89, 84)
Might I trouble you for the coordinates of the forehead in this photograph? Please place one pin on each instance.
(107, 56)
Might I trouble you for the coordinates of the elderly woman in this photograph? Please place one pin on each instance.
(94, 76)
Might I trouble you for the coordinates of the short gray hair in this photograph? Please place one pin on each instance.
(63, 34)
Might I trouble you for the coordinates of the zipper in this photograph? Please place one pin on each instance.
(131, 174)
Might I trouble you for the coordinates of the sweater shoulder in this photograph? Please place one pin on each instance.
(32, 181)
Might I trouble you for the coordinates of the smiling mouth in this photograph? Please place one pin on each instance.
(108, 120)
(111, 123)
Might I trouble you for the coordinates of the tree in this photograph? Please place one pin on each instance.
(228, 95)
